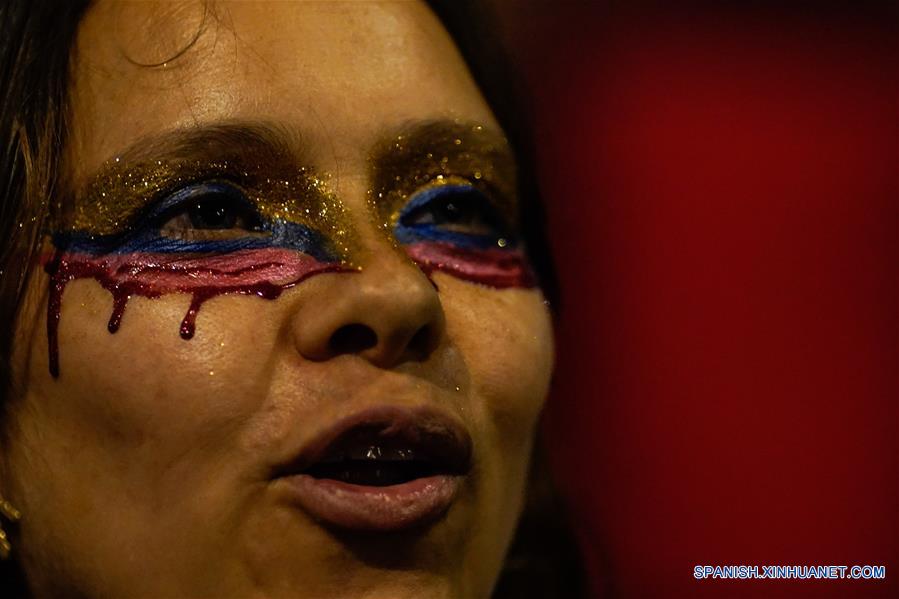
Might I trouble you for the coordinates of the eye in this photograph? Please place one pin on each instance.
(209, 211)
(210, 214)
(455, 208)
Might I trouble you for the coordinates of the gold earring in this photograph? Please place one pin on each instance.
(8, 512)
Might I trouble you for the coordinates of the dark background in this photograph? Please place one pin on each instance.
(721, 180)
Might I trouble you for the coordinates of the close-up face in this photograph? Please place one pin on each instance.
(284, 339)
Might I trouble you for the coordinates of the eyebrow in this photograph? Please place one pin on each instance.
(443, 129)
(216, 142)
(238, 140)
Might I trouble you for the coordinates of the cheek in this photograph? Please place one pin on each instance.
(145, 389)
(506, 338)
(140, 421)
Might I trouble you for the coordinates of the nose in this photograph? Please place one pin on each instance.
(388, 313)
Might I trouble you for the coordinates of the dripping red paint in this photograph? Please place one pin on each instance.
(265, 273)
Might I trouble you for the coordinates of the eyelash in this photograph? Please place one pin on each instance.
(428, 213)
(216, 200)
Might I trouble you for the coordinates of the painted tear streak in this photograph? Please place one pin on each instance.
(264, 272)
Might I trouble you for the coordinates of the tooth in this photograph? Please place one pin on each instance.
(372, 453)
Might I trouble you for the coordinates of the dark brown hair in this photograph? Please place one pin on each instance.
(34, 68)
(36, 44)
(36, 37)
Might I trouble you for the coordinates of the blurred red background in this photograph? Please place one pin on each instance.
(722, 192)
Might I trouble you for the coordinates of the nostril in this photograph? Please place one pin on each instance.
(421, 343)
(352, 338)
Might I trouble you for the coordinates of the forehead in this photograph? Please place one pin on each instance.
(340, 73)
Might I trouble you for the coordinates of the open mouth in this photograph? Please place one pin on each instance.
(384, 469)
(381, 455)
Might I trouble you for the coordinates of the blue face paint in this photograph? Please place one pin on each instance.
(453, 228)
(149, 237)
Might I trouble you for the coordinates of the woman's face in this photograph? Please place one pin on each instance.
(327, 357)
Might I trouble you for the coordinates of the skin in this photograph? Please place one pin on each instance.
(143, 470)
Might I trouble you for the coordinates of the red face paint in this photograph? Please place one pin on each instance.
(264, 272)
(494, 267)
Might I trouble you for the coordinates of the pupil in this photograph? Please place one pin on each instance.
(212, 215)
(452, 213)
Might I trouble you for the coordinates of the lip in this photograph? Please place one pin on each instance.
(382, 508)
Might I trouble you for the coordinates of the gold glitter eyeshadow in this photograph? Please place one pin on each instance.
(112, 201)
(258, 159)
(442, 153)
